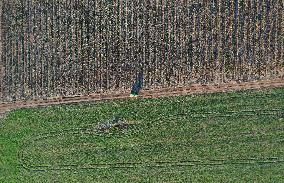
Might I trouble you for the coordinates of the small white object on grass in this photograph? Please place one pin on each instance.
(132, 95)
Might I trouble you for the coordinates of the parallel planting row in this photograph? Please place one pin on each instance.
(66, 47)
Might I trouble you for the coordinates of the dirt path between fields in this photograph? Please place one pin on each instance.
(163, 92)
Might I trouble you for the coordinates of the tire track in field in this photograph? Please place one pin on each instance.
(155, 93)
(208, 162)
(185, 163)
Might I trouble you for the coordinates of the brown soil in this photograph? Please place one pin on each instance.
(162, 92)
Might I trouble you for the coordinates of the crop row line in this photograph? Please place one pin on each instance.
(244, 162)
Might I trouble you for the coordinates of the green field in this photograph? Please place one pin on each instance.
(232, 137)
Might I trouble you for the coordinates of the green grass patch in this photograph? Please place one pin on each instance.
(232, 137)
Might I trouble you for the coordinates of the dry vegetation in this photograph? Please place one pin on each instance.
(66, 47)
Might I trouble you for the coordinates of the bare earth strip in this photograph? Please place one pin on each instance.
(163, 92)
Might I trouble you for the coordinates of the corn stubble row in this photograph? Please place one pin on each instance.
(67, 47)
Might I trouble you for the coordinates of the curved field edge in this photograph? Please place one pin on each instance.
(262, 114)
(276, 136)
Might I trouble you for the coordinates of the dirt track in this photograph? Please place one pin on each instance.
(194, 89)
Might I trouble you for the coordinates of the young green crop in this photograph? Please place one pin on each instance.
(201, 138)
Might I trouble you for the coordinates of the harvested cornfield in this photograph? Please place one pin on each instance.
(67, 47)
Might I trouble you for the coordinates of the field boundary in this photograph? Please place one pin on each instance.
(163, 92)
(1, 61)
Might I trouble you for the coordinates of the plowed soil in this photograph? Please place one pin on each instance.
(162, 92)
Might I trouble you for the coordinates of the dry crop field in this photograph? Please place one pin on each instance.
(229, 137)
(55, 48)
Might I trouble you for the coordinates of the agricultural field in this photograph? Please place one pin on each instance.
(56, 48)
(232, 137)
